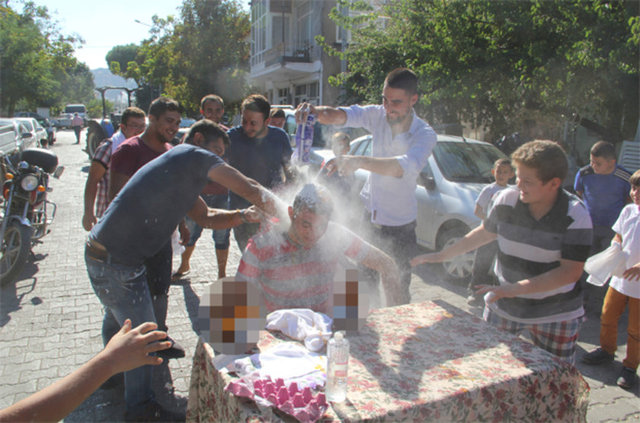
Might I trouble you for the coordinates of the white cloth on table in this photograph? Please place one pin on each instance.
(302, 324)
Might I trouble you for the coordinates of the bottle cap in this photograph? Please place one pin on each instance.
(338, 336)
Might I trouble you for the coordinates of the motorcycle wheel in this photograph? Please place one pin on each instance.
(14, 251)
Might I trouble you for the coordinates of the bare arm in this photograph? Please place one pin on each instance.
(219, 218)
(326, 115)
(478, 212)
(474, 239)
(116, 181)
(127, 350)
(388, 166)
(96, 172)
(568, 272)
(389, 274)
(246, 188)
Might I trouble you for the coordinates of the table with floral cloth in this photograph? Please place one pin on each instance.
(420, 362)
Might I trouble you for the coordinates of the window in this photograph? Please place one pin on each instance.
(279, 31)
(303, 24)
(466, 162)
(258, 30)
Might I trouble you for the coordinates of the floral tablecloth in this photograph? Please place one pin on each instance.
(421, 362)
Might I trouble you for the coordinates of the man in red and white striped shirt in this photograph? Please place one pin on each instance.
(297, 268)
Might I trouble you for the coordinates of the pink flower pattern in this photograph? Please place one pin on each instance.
(421, 362)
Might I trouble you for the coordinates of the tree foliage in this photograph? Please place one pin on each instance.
(37, 67)
(503, 65)
(202, 51)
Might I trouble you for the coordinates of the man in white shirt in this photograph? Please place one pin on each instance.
(401, 145)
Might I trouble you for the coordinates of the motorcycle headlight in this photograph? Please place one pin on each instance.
(29, 182)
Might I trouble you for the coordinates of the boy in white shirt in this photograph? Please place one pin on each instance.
(502, 171)
(622, 292)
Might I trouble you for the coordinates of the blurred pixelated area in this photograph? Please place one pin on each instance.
(232, 312)
(231, 316)
(350, 303)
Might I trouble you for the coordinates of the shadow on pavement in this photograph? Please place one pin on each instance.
(12, 295)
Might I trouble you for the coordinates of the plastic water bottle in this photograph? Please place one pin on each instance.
(338, 363)
(304, 139)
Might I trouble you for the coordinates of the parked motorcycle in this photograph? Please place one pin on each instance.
(25, 212)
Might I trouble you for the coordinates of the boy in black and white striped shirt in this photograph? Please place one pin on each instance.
(544, 236)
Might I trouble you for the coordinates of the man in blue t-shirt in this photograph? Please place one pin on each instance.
(260, 152)
(139, 222)
(604, 188)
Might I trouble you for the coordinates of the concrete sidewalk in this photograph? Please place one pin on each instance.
(50, 319)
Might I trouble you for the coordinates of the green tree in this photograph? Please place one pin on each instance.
(503, 65)
(203, 51)
(36, 62)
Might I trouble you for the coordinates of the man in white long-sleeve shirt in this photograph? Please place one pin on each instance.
(401, 145)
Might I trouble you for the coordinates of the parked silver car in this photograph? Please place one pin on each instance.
(447, 190)
(23, 137)
(41, 136)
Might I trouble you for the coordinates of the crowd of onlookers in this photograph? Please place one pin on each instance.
(142, 192)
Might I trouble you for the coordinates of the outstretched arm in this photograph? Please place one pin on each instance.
(247, 188)
(474, 239)
(127, 350)
(568, 272)
(326, 115)
(389, 274)
(219, 218)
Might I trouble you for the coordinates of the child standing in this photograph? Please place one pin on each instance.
(544, 237)
(623, 291)
(502, 172)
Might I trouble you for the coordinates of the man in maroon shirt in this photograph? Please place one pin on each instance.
(131, 155)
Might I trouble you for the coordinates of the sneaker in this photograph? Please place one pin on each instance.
(154, 412)
(627, 378)
(175, 351)
(597, 356)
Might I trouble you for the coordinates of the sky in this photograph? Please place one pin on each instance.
(107, 23)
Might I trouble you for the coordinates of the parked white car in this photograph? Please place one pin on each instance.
(40, 134)
(447, 190)
(23, 138)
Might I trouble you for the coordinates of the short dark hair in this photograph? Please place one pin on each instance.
(131, 112)
(209, 130)
(257, 103)
(314, 198)
(634, 180)
(603, 149)
(341, 138)
(547, 157)
(402, 78)
(277, 113)
(503, 161)
(211, 97)
(161, 105)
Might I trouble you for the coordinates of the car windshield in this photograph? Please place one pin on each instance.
(466, 162)
(75, 109)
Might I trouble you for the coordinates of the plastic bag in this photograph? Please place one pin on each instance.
(601, 266)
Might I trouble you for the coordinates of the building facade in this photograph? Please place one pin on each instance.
(287, 65)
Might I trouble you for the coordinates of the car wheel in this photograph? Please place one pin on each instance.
(460, 267)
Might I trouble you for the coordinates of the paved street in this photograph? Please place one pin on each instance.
(50, 319)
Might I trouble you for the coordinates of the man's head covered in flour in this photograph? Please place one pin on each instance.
(310, 215)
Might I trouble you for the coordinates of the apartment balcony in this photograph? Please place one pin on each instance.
(283, 63)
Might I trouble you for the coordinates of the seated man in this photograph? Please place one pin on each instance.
(296, 268)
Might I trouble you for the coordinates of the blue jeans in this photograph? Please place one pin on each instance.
(220, 236)
(124, 292)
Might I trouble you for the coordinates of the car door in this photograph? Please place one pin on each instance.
(430, 207)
